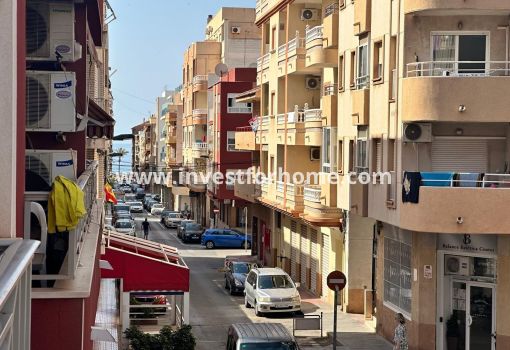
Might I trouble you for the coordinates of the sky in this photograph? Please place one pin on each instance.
(147, 44)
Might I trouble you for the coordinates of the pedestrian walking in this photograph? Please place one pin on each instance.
(146, 227)
(400, 338)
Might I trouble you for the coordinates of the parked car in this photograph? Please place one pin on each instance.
(150, 204)
(272, 336)
(157, 208)
(135, 207)
(192, 232)
(181, 225)
(173, 220)
(271, 290)
(225, 238)
(146, 200)
(129, 197)
(120, 207)
(125, 226)
(235, 275)
(157, 197)
(163, 214)
(125, 215)
(140, 194)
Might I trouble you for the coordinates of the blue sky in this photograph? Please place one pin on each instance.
(147, 43)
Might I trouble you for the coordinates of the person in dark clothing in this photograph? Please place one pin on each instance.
(146, 226)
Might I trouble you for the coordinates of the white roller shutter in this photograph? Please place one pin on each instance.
(294, 252)
(458, 155)
(378, 156)
(314, 261)
(326, 246)
(305, 253)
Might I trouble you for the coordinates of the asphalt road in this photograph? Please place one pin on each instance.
(212, 309)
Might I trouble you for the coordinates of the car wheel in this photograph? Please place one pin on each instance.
(209, 245)
(257, 311)
(246, 303)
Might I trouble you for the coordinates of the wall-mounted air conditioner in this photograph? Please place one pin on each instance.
(235, 30)
(50, 101)
(456, 265)
(315, 153)
(312, 83)
(417, 132)
(50, 30)
(42, 166)
(310, 14)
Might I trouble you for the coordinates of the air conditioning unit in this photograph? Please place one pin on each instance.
(236, 30)
(50, 101)
(313, 83)
(310, 14)
(42, 166)
(50, 30)
(456, 265)
(315, 153)
(417, 132)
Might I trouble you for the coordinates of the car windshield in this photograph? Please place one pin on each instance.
(193, 227)
(123, 224)
(280, 345)
(275, 281)
(157, 205)
(241, 268)
(121, 208)
(139, 204)
(174, 215)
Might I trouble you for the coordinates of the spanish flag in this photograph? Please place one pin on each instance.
(109, 195)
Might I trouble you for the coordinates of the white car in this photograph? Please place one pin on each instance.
(135, 207)
(271, 290)
(125, 226)
(173, 220)
(157, 208)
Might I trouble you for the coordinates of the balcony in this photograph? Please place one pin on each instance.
(320, 205)
(200, 83)
(330, 104)
(265, 123)
(293, 123)
(430, 6)
(362, 16)
(436, 91)
(170, 117)
(313, 126)
(199, 116)
(200, 149)
(171, 139)
(263, 7)
(246, 139)
(15, 310)
(330, 26)
(316, 54)
(460, 206)
(294, 53)
(247, 191)
(290, 197)
(352, 195)
(360, 100)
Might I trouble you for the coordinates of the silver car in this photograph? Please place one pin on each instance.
(271, 290)
(248, 336)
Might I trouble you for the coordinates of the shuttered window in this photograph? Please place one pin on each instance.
(314, 260)
(457, 155)
(326, 246)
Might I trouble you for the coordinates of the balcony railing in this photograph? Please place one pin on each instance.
(362, 82)
(239, 110)
(291, 189)
(313, 115)
(330, 89)
(201, 146)
(312, 193)
(313, 34)
(264, 122)
(451, 179)
(261, 6)
(331, 9)
(199, 79)
(458, 69)
(263, 61)
(292, 45)
(199, 112)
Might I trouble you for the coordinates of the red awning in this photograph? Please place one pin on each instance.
(144, 265)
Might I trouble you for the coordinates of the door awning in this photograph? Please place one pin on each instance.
(144, 265)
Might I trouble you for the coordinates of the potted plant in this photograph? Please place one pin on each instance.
(452, 332)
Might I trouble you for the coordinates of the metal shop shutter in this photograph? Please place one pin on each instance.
(294, 250)
(314, 260)
(305, 253)
(460, 155)
(326, 246)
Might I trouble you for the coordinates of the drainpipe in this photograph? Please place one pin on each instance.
(506, 29)
(286, 101)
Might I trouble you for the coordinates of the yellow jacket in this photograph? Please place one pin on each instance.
(65, 205)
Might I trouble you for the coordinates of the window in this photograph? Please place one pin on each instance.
(273, 38)
(351, 156)
(362, 150)
(378, 61)
(231, 141)
(237, 107)
(352, 77)
(397, 273)
(329, 149)
(341, 72)
(340, 161)
(278, 219)
(378, 155)
(393, 68)
(362, 74)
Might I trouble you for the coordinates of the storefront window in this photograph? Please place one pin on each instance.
(397, 274)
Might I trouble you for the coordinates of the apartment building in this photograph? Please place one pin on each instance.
(226, 114)
(231, 38)
(137, 132)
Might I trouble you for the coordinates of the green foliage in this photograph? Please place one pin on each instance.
(167, 339)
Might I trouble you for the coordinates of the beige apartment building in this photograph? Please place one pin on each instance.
(232, 39)
(412, 95)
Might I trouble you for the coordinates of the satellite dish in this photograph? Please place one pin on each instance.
(221, 69)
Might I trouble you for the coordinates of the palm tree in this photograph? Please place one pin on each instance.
(120, 153)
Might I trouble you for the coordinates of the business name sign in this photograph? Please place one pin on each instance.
(483, 244)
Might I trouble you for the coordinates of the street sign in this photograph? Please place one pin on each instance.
(336, 281)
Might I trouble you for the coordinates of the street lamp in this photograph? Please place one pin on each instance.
(246, 229)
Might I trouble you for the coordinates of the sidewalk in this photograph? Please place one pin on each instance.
(353, 331)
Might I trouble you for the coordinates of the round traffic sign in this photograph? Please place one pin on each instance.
(336, 280)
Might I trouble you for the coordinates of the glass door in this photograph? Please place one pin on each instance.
(480, 317)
